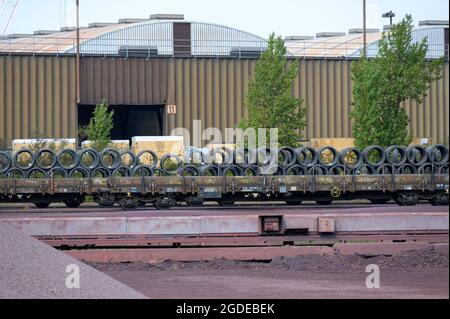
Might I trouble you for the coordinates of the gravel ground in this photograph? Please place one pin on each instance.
(422, 273)
(31, 269)
(429, 257)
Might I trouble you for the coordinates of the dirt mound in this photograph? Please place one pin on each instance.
(420, 258)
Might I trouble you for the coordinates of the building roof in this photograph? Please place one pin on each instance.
(155, 36)
(157, 33)
(350, 45)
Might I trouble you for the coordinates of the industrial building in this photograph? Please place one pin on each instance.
(201, 70)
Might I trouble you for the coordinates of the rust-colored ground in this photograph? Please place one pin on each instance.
(422, 273)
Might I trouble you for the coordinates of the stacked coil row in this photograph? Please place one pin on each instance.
(69, 163)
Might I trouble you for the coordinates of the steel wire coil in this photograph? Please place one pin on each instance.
(287, 156)
(45, 158)
(142, 170)
(189, 170)
(147, 158)
(406, 169)
(57, 172)
(15, 172)
(374, 155)
(385, 169)
(295, 169)
(438, 154)
(417, 155)
(307, 156)
(110, 158)
(121, 171)
(396, 155)
(209, 170)
(5, 162)
(232, 170)
(20, 159)
(79, 172)
(364, 169)
(67, 159)
(324, 153)
(170, 164)
(88, 158)
(127, 159)
(351, 157)
(99, 172)
(36, 172)
(317, 170)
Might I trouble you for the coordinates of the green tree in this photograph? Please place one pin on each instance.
(99, 128)
(399, 72)
(269, 100)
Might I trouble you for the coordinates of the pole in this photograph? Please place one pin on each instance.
(77, 59)
(364, 29)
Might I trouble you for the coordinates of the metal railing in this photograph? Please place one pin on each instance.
(193, 47)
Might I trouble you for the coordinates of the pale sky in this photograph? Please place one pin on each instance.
(261, 17)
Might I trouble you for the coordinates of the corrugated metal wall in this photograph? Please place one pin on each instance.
(431, 118)
(37, 97)
(123, 81)
(210, 90)
(37, 94)
(213, 91)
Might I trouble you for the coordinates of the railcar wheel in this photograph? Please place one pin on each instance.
(226, 203)
(194, 201)
(440, 200)
(128, 203)
(294, 202)
(164, 202)
(105, 200)
(407, 199)
(73, 202)
(41, 205)
(141, 204)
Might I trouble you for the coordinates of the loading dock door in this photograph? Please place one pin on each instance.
(129, 120)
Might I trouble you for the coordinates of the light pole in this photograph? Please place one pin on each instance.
(389, 15)
(364, 29)
(77, 59)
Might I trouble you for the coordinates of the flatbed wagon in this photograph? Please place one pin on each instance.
(168, 191)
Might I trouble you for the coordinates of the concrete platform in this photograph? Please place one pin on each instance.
(248, 222)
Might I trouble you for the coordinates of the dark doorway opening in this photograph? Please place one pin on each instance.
(129, 120)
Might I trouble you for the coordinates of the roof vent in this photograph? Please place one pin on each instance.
(100, 24)
(298, 37)
(19, 35)
(246, 52)
(44, 32)
(167, 16)
(433, 23)
(361, 30)
(138, 51)
(67, 29)
(131, 20)
(329, 34)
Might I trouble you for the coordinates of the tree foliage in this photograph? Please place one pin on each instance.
(269, 100)
(99, 128)
(399, 72)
